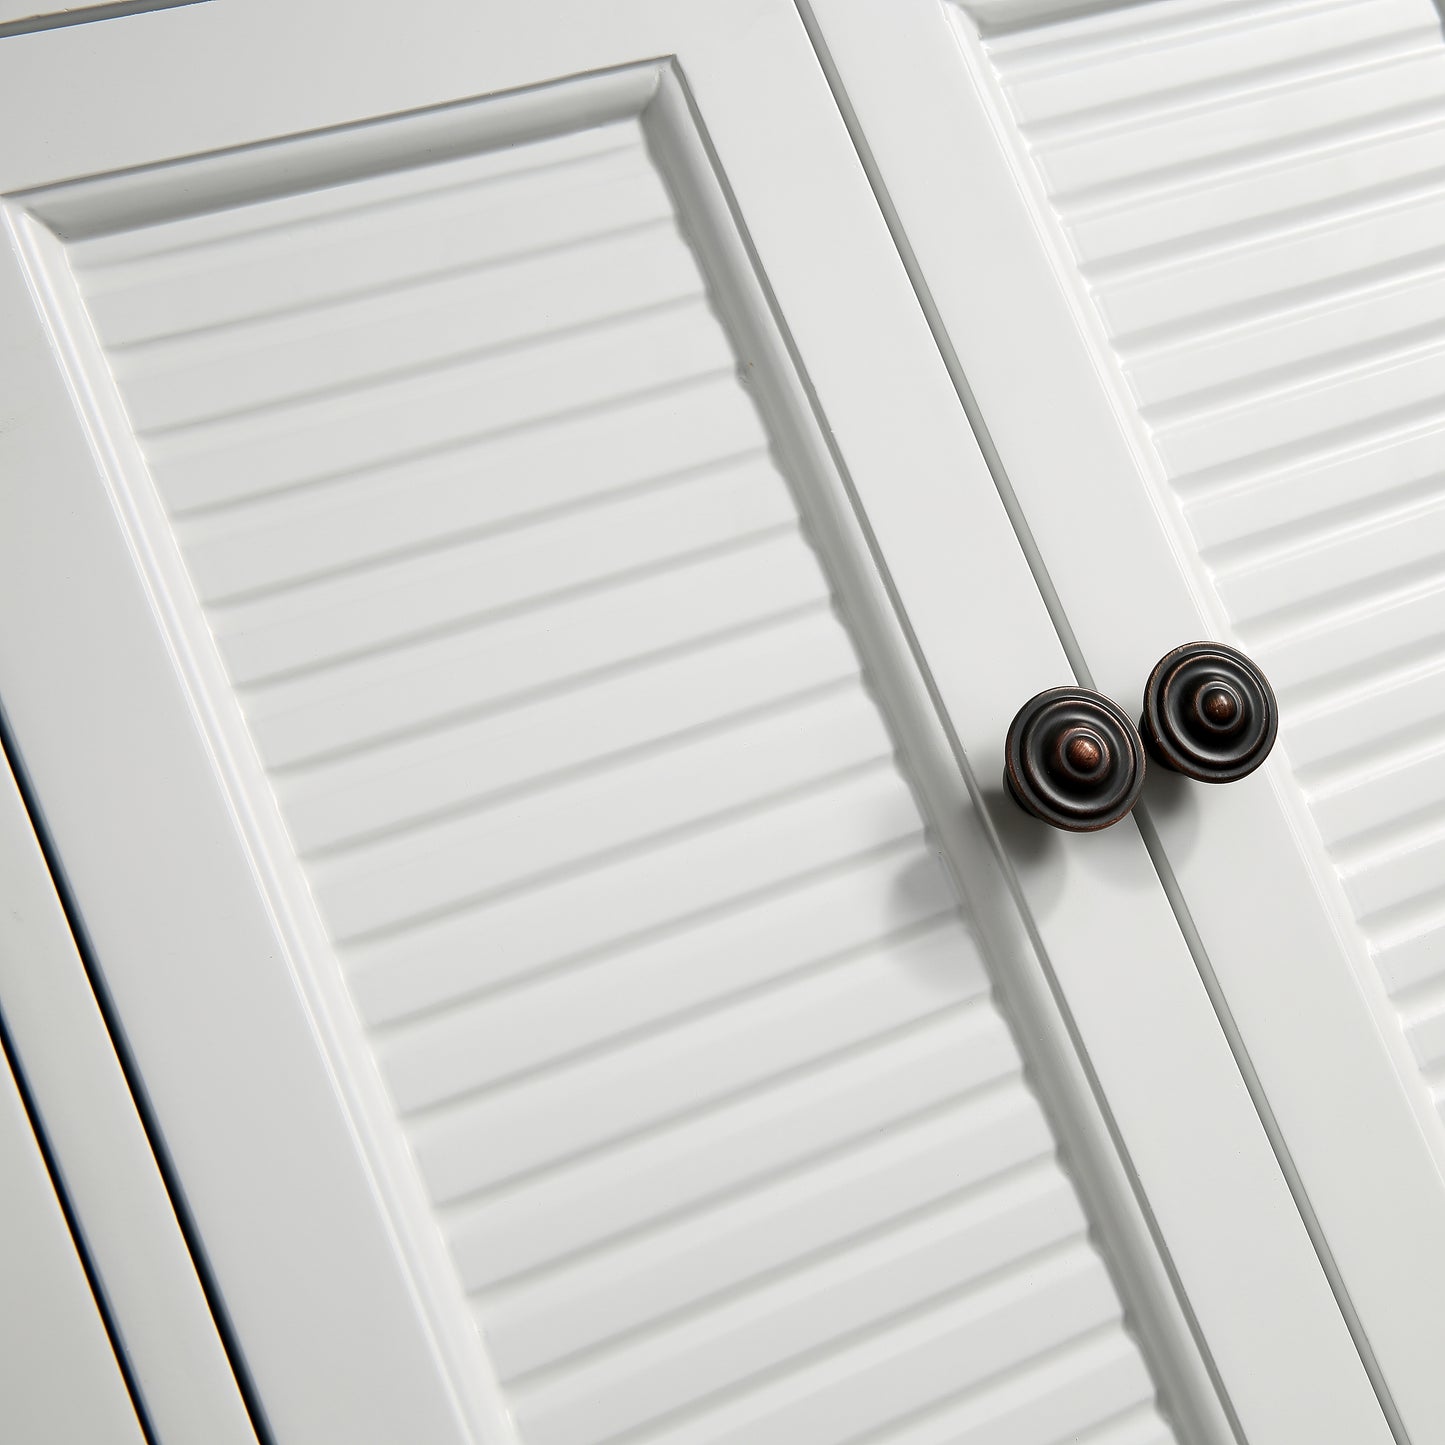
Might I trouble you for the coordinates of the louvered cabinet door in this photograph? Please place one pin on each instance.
(1205, 241)
(510, 635)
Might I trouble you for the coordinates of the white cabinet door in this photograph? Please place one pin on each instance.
(1184, 262)
(511, 635)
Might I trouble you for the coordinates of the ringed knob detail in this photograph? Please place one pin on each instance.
(1074, 760)
(1209, 713)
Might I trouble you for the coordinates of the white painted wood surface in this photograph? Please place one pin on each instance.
(525, 766)
(1198, 238)
(59, 1380)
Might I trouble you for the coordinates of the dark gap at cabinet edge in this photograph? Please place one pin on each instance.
(102, 1308)
(169, 1178)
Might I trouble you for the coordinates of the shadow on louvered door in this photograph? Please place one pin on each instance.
(496, 777)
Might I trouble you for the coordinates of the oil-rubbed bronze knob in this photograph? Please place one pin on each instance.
(1074, 759)
(1209, 713)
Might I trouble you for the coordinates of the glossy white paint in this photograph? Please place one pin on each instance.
(416, 776)
(1189, 229)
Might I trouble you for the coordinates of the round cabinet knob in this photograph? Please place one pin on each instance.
(1074, 759)
(1209, 713)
